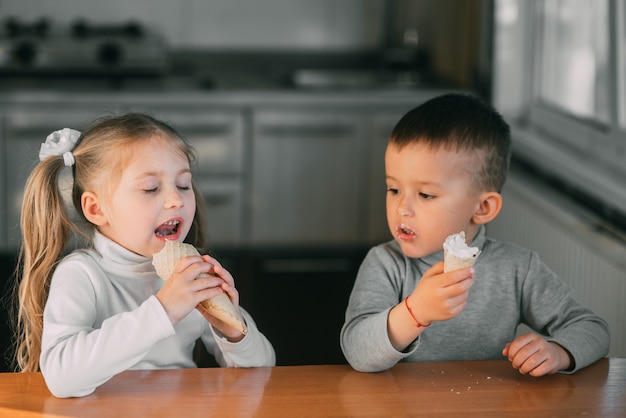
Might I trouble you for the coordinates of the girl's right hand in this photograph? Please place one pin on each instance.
(183, 290)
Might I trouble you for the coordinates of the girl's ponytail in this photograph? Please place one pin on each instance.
(46, 229)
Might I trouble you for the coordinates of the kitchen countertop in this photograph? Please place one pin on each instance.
(173, 95)
(244, 78)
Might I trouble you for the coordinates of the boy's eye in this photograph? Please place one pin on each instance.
(426, 196)
(152, 190)
(392, 190)
(184, 187)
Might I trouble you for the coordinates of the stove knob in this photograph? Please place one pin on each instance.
(133, 30)
(24, 53)
(110, 53)
(42, 28)
(80, 29)
(12, 27)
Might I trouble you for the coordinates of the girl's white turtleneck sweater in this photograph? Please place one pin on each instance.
(102, 318)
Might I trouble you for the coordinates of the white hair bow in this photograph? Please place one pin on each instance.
(60, 142)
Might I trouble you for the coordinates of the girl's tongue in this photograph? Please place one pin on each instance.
(167, 229)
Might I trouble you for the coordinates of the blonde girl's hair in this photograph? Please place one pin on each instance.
(101, 154)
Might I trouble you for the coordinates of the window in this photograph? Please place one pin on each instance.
(559, 77)
(621, 51)
(574, 55)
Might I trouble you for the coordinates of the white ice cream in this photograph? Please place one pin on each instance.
(456, 246)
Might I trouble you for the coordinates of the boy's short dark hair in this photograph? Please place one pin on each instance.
(460, 122)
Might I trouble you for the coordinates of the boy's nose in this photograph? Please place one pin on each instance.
(404, 209)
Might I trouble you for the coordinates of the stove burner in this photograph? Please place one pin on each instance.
(40, 48)
(15, 28)
(81, 29)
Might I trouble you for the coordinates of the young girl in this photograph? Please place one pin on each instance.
(102, 309)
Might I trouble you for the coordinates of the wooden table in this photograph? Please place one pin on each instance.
(473, 388)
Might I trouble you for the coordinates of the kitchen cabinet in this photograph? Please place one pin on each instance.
(382, 125)
(3, 189)
(319, 176)
(307, 182)
(8, 262)
(299, 298)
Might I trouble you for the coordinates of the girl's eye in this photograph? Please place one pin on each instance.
(184, 187)
(153, 190)
(392, 190)
(426, 196)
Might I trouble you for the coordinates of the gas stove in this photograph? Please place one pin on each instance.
(81, 48)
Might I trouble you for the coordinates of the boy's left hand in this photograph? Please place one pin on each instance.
(532, 354)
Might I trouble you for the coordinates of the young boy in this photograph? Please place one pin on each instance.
(446, 164)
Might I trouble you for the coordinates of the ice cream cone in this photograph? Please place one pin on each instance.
(456, 253)
(451, 263)
(219, 306)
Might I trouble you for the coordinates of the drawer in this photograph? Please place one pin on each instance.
(217, 135)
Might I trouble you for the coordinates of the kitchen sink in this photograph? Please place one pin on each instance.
(354, 79)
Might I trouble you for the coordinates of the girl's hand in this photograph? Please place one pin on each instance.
(228, 286)
(183, 291)
(532, 354)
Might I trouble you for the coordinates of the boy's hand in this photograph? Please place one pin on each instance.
(532, 354)
(437, 297)
(441, 296)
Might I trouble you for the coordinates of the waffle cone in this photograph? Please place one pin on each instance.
(451, 263)
(219, 306)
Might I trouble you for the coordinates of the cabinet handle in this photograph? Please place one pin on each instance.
(307, 131)
(217, 199)
(224, 129)
(307, 265)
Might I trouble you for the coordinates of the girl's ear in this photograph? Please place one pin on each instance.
(489, 206)
(90, 203)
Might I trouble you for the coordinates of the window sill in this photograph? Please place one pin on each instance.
(595, 187)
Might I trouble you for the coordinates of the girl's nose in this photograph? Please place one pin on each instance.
(174, 200)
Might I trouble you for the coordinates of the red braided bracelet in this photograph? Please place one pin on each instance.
(417, 323)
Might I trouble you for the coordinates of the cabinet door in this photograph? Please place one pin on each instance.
(224, 211)
(307, 182)
(378, 230)
(216, 134)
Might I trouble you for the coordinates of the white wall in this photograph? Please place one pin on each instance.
(228, 24)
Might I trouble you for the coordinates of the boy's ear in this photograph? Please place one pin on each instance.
(90, 203)
(488, 208)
